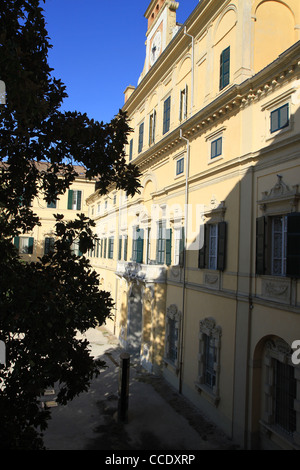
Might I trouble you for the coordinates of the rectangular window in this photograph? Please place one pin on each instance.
(49, 245)
(161, 244)
(212, 255)
(213, 247)
(225, 68)
(167, 115)
(24, 245)
(210, 358)
(74, 200)
(130, 149)
(183, 104)
(285, 396)
(125, 247)
(138, 245)
(279, 245)
(180, 166)
(178, 246)
(120, 248)
(152, 126)
(280, 118)
(141, 137)
(148, 245)
(111, 247)
(51, 205)
(173, 340)
(216, 148)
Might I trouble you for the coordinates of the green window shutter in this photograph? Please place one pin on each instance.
(203, 252)
(141, 137)
(30, 245)
(140, 246)
(125, 247)
(105, 246)
(181, 248)
(120, 248)
(168, 247)
(221, 259)
(293, 245)
(70, 199)
(130, 149)
(17, 242)
(225, 68)
(260, 245)
(167, 112)
(78, 205)
(49, 245)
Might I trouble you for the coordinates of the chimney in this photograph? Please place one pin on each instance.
(128, 92)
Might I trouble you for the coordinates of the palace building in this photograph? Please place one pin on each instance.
(204, 263)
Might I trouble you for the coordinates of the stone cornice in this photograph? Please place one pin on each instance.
(232, 100)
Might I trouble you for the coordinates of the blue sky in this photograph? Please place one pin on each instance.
(99, 49)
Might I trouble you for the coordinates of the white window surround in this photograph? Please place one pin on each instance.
(272, 105)
(175, 159)
(208, 327)
(277, 349)
(173, 314)
(220, 133)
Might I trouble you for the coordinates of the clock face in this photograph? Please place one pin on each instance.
(155, 47)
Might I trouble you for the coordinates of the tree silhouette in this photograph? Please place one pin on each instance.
(44, 304)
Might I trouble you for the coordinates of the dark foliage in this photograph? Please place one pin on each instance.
(44, 305)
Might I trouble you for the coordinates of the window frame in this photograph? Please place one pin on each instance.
(278, 111)
(167, 115)
(141, 137)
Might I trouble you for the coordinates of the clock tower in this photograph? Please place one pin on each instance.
(162, 26)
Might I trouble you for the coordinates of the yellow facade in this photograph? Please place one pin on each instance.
(216, 126)
(35, 244)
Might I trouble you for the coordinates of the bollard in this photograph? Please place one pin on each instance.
(123, 387)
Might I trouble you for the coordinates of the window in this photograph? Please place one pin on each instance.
(209, 361)
(130, 149)
(125, 247)
(24, 245)
(49, 245)
(179, 166)
(225, 68)
(148, 245)
(120, 248)
(110, 248)
(104, 247)
(152, 126)
(74, 200)
(75, 248)
(167, 113)
(51, 205)
(280, 390)
(164, 244)
(213, 253)
(209, 358)
(178, 246)
(138, 245)
(284, 397)
(280, 118)
(216, 148)
(278, 245)
(141, 137)
(173, 319)
(183, 104)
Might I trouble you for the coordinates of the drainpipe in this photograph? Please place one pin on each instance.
(184, 258)
(192, 80)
